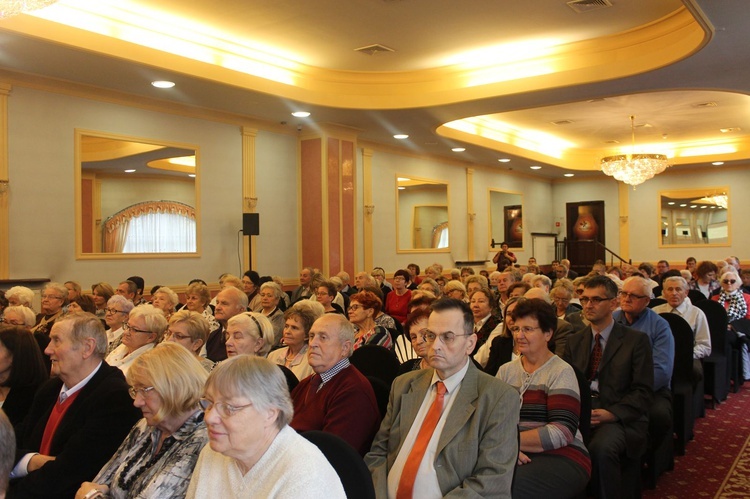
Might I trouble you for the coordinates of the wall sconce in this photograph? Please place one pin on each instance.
(369, 209)
(4, 186)
(251, 202)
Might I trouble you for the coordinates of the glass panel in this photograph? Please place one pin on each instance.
(695, 217)
(422, 214)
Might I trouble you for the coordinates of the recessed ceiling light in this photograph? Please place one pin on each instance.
(704, 207)
(569, 175)
(129, 171)
(400, 136)
(458, 149)
(403, 179)
(536, 167)
(300, 114)
(191, 175)
(683, 205)
(504, 160)
(162, 84)
(402, 188)
(671, 203)
(693, 205)
(717, 163)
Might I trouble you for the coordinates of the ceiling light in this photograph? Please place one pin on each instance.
(634, 169)
(504, 160)
(683, 205)
(717, 163)
(402, 188)
(671, 203)
(569, 175)
(191, 175)
(704, 207)
(693, 205)
(730, 130)
(400, 136)
(9, 8)
(536, 167)
(300, 114)
(458, 149)
(129, 171)
(403, 179)
(162, 84)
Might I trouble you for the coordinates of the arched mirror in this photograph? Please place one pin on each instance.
(135, 197)
(506, 218)
(421, 215)
(694, 217)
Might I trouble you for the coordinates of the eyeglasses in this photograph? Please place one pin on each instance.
(114, 311)
(631, 296)
(728, 281)
(224, 410)
(128, 327)
(524, 329)
(14, 322)
(133, 391)
(177, 336)
(447, 338)
(355, 307)
(51, 297)
(596, 300)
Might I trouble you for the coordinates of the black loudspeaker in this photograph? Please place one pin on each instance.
(250, 224)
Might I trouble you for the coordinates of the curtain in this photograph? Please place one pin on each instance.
(152, 227)
(440, 237)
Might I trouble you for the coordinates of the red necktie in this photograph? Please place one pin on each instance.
(409, 473)
(596, 357)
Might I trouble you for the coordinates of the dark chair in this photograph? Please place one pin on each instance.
(716, 367)
(382, 393)
(656, 302)
(682, 380)
(696, 296)
(584, 420)
(374, 360)
(349, 465)
(291, 378)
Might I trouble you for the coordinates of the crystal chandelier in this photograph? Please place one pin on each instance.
(9, 8)
(634, 169)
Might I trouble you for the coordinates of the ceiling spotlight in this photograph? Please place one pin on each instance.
(536, 167)
(300, 114)
(671, 203)
(693, 205)
(504, 160)
(717, 163)
(458, 149)
(401, 188)
(192, 175)
(400, 136)
(569, 175)
(683, 205)
(129, 171)
(162, 84)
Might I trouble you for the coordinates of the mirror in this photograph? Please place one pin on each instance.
(695, 217)
(421, 215)
(135, 197)
(506, 218)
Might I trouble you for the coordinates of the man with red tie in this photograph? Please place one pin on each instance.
(449, 427)
(78, 418)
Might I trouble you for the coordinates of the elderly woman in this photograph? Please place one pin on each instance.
(117, 312)
(270, 295)
(21, 371)
(249, 333)
(705, 278)
(325, 294)
(541, 281)
(737, 305)
(552, 460)
(475, 282)
(143, 330)
(502, 349)
(74, 290)
(102, 293)
(250, 285)
(82, 303)
(298, 321)
(158, 456)
(455, 289)
(396, 301)
(19, 316)
(165, 300)
(486, 324)
(54, 298)
(198, 299)
(562, 294)
(415, 326)
(251, 446)
(190, 329)
(19, 296)
(363, 308)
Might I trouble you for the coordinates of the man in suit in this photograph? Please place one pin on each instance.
(229, 302)
(78, 418)
(618, 363)
(304, 291)
(450, 427)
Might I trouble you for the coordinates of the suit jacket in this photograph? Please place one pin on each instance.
(560, 337)
(86, 438)
(626, 377)
(478, 447)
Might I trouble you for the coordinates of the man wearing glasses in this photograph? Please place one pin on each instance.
(450, 427)
(79, 417)
(618, 362)
(54, 297)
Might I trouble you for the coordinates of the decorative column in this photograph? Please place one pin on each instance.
(4, 184)
(471, 214)
(249, 196)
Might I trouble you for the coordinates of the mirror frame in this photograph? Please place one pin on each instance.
(489, 220)
(78, 176)
(692, 193)
(398, 209)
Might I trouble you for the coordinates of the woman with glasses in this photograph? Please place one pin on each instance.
(415, 327)
(54, 298)
(562, 294)
(21, 371)
(270, 296)
(325, 294)
(552, 460)
(158, 456)
(363, 308)
(19, 316)
(115, 315)
(397, 301)
(252, 451)
(737, 305)
(142, 331)
(297, 323)
(249, 333)
(190, 329)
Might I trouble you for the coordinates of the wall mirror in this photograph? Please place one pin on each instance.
(695, 217)
(421, 215)
(135, 197)
(506, 218)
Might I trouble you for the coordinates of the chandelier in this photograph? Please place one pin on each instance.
(634, 169)
(9, 8)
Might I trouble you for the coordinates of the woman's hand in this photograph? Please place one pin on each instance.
(89, 487)
(522, 459)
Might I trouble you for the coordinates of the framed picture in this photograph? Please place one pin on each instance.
(513, 216)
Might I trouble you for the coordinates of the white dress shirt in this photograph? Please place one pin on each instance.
(698, 323)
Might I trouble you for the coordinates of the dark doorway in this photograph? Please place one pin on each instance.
(585, 224)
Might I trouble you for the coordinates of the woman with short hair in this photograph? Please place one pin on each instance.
(142, 331)
(252, 450)
(455, 290)
(190, 329)
(198, 299)
(166, 300)
(101, 292)
(82, 303)
(22, 370)
(363, 308)
(397, 301)
(158, 456)
(297, 323)
(249, 333)
(270, 295)
(20, 296)
(705, 278)
(117, 312)
(19, 315)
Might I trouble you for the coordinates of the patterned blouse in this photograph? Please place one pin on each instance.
(131, 474)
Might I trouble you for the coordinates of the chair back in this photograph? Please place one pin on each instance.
(717, 324)
(375, 360)
(349, 465)
(382, 393)
(656, 302)
(682, 372)
(584, 420)
(291, 378)
(403, 349)
(696, 296)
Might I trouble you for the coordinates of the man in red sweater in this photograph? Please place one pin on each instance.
(337, 398)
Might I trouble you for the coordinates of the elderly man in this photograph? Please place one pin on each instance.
(634, 313)
(140, 285)
(675, 291)
(304, 291)
(229, 302)
(451, 429)
(618, 363)
(503, 283)
(54, 297)
(127, 289)
(363, 280)
(337, 399)
(78, 418)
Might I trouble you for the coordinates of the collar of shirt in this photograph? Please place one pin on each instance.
(329, 374)
(70, 391)
(479, 325)
(604, 333)
(454, 381)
